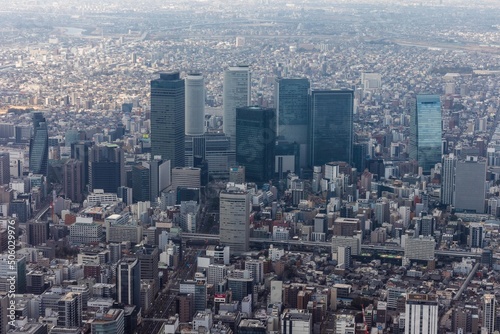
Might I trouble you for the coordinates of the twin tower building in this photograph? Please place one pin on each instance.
(306, 128)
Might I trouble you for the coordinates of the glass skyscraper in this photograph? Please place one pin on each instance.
(331, 126)
(290, 100)
(168, 118)
(291, 97)
(236, 94)
(39, 145)
(255, 142)
(425, 131)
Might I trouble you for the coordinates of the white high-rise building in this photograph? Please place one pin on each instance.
(195, 104)
(421, 314)
(234, 219)
(236, 94)
(489, 305)
(448, 179)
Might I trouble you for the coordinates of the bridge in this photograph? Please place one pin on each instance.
(328, 244)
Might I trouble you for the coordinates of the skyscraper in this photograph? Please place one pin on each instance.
(425, 131)
(39, 145)
(140, 183)
(470, 190)
(234, 219)
(70, 310)
(421, 314)
(489, 308)
(73, 180)
(195, 104)
(448, 179)
(168, 118)
(80, 152)
(331, 126)
(291, 98)
(106, 168)
(4, 168)
(236, 94)
(128, 281)
(255, 142)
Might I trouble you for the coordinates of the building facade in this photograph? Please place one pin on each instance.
(255, 142)
(331, 126)
(425, 131)
(236, 94)
(168, 118)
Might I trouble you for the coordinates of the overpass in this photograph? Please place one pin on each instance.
(327, 244)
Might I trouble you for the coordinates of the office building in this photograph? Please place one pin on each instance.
(470, 188)
(240, 287)
(85, 231)
(256, 267)
(237, 174)
(235, 219)
(448, 179)
(159, 177)
(476, 235)
(73, 180)
(110, 322)
(168, 118)
(331, 126)
(37, 232)
(141, 191)
(70, 310)
(291, 97)
(186, 177)
(195, 104)
(421, 248)
(421, 314)
(489, 311)
(125, 194)
(149, 257)
(198, 291)
(371, 80)
(236, 94)
(106, 168)
(296, 322)
(214, 149)
(425, 131)
(255, 142)
(80, 152)
(39, 146)
(128, 281)
(4, 168)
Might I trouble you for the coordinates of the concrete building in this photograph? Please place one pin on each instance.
(489, 311)
(470, 187)
(421, 314)
(235, 219)
(296, 321)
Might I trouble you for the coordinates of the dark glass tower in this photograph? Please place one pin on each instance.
(80, 152)
(331, 126)
(290, 100)
(168, 118)
(140, 183)
(255, 142)
(425, 131)
(107, 168)
(39, 145)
